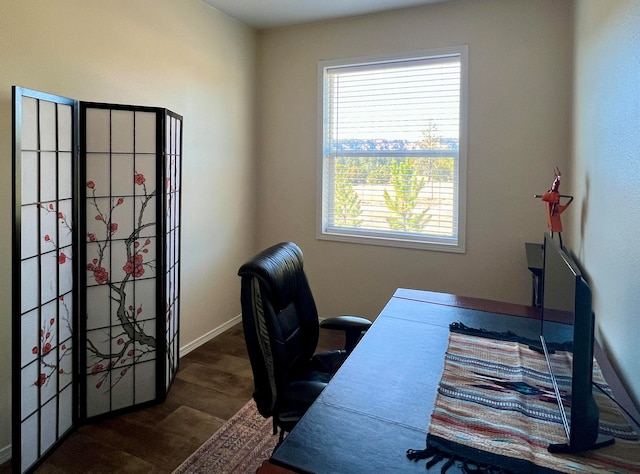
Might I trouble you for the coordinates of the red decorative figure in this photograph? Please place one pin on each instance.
(552, 202)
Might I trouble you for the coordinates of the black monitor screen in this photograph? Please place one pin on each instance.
(567, 339)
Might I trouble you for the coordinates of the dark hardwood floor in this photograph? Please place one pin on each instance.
(213, 383)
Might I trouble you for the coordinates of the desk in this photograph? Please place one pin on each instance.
(379, 403)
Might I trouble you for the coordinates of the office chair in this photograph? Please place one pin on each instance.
(281, 330)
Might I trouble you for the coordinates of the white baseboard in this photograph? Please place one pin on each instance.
(5, 454)
(184, 350)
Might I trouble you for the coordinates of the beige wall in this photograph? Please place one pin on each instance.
(606, 173)
(201, 64)
(520, 70)
(183, 56)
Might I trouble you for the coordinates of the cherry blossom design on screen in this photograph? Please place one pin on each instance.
(50, 364)
(53, 359)
(129, 343)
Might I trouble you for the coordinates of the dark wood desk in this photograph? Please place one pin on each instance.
(379, 403)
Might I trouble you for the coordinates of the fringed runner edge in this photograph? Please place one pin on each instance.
(471, 460)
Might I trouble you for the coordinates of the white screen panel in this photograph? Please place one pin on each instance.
(122, 219)
(145, 175)
(48, 125)
(29, 283)
(65, 270)
(29, 124)
(48, 281)
(122, 131)
(29, 442)
(65, 223)
(31, 379)
(97, 130)
(98, 173)
(65, 176)
(48, 176)
(30, 340)
(98, 314)
(122, 181)
(145, 133)
(145, 382)
(29, 179)
(48, 429)
(65, 127)
(145, 211)
(65, 413)
(29, 231)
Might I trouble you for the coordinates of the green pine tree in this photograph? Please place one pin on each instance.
(347, 203)
(407, 183)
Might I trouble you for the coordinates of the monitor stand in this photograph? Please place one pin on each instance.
(601, 442)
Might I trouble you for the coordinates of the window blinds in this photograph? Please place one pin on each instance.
(391, 149)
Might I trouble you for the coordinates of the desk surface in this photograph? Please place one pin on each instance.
(379, 403)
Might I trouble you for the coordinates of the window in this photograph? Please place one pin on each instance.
(392, 150)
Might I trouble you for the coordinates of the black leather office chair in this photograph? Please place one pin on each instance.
(281, 331)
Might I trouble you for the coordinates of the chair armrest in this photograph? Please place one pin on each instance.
(346, 323)
(353, 326)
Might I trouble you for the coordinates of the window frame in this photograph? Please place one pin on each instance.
(455, 244)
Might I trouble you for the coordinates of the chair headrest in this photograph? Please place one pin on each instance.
(280, 269)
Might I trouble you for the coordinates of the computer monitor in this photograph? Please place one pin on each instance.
(566, 310)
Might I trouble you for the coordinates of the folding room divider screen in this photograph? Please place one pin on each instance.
(96, 263)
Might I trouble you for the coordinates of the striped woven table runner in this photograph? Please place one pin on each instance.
(495, 412)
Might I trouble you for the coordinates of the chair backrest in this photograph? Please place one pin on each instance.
(279, 318)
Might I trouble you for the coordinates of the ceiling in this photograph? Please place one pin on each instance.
(264, 14)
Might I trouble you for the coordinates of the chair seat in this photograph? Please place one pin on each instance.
(329, 361)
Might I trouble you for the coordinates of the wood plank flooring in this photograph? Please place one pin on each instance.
(213, 383)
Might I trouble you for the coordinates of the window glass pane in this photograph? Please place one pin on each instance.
(391, 150)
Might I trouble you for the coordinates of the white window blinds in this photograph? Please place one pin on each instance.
(392, 150)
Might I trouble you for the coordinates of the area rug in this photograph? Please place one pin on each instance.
(240, 446)
(495, 412)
